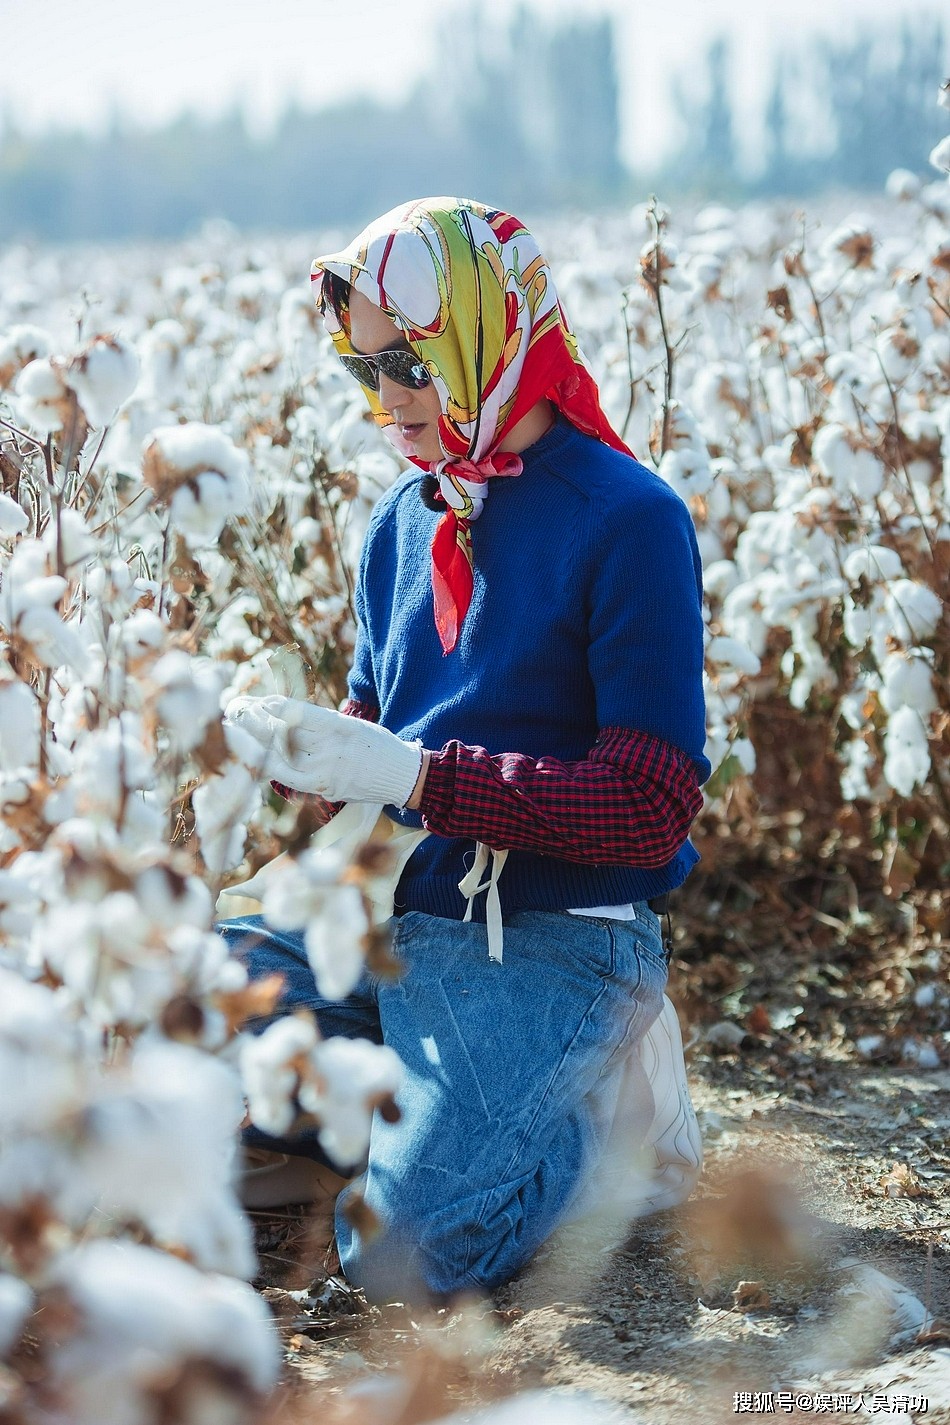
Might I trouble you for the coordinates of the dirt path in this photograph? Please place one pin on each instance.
(791, 1191)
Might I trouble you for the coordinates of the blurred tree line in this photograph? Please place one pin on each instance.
(839, 114)
(524, 114)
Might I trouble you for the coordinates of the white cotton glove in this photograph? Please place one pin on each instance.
(313, 749)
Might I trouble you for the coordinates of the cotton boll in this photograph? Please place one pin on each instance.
(687, 470)
(873, 562)
(297, 323)
(852, 468)
(223, 805)
(26, 583)
(44, 400)
(169, 899)
(270, 1068)
(295, 890)
(199, 510)
(16, 1304)
(103, 375)
(110, 762)
(18, 347)
(741, 616)
(13, 517)
(40, 1058)
(52, 642)
(19, 905)
(76, 542)
(915, 610)
(908, 682)
(200, 474)
(142, 634)
(161, 349)
(243, 747)
(352, 1076)
(939, 156)
(852, 244)
(142, 1316)
(20, 724)
(856, 761)
(906, 754)
(335, 941)
(188, 698)
(720, 578)
(902, 185)
(899, 349)
(734, 654)
(156, 1149)
(744, 753)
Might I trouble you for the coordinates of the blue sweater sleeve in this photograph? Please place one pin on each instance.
(361, 682)
(646, 620)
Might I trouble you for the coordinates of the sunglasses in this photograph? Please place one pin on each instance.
(401, 366)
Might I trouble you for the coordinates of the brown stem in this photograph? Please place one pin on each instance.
(164, 561)
(814, 295)
(899, 438)
(55, 504)
(31, 439)
(668, 374)
(85, 479)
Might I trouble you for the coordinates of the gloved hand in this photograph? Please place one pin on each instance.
(313, 749)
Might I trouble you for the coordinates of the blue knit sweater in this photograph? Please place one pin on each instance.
(586, 613)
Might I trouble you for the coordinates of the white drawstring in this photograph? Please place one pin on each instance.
(470, 888)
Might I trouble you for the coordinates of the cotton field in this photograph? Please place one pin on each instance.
(186, 476)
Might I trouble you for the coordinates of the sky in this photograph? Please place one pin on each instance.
(72, 61)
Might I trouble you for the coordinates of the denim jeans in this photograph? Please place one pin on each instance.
(511, 1077)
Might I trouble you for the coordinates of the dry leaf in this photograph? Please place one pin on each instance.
(902, 1181)
(256, 1000)
(757, 1021)
(361, 1217)
(750, 1296)
(758, 1220)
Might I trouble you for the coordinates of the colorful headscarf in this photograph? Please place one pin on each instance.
(468, 288)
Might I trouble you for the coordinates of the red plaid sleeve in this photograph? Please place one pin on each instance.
(630, 802)
(352, 708)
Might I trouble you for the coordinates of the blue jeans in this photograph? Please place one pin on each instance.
(512, 1073)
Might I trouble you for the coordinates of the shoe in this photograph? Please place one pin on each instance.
(673, 1145)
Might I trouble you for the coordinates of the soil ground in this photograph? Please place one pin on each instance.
(825, 1193)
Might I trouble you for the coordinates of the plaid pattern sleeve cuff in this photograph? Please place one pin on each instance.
(630, 802)
(351, 708)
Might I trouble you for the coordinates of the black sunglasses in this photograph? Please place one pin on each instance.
(401, 366)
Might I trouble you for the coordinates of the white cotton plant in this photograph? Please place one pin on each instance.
(103, 375)
(30, 602)
(906, 751)
(200, 475)
(304, 894)
(223, 806)
(13, 517)
(187, 698)
(20, 740)
(18, 347)
(851, 466)
(152, 1335)
(340, 1082)
(43, 396)
(158, 1147)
